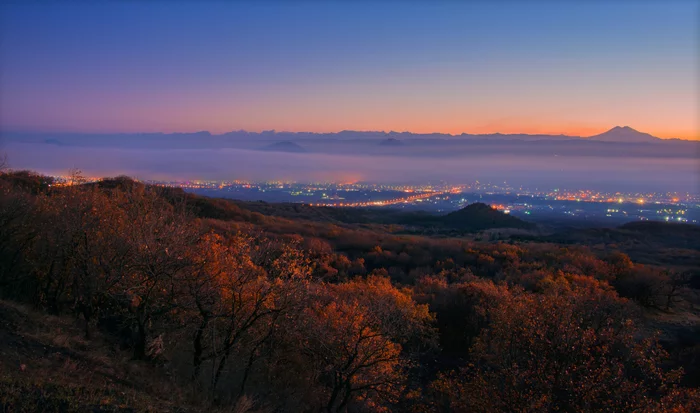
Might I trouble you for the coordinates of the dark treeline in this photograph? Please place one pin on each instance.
(295, 315)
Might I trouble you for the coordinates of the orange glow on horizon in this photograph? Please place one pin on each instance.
(576, 132)
(446, 124)
(451, 120)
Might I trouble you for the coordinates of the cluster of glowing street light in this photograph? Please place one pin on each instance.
(403, 200)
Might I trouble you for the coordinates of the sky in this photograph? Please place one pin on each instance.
(571, 67)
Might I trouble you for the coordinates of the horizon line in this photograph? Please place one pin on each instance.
(274, 131)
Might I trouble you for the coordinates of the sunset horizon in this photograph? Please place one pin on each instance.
(590, 132)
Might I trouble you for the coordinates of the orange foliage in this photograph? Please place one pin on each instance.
(570, 350)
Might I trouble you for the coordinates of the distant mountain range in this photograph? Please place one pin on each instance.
(623, 134)
(617, 142)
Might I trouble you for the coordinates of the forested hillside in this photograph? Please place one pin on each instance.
(235, 308)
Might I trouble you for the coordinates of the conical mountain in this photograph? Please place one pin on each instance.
(624, 134)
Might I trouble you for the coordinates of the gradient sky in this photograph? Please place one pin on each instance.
(577, 68)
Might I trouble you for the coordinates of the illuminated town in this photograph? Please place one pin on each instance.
(441, 197)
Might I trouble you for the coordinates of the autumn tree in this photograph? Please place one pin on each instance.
(161, 236)
(568, 350)
(399, 316)
(60, 222)
(76, 177)
(17, 234)
(357, 340)
(103, 255)
(201, 293)
(238, 293)
(350, 356)
(461, 309)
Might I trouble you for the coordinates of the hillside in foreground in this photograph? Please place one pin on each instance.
(47, 365)
(123, 293)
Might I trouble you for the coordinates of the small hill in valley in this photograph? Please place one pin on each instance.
(479, 216)
(284, 146)
(52, 141)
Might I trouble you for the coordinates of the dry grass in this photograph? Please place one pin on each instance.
(47, 365)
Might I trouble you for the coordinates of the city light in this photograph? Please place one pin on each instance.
(521, 201)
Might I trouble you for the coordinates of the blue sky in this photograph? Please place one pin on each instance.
(555, 67)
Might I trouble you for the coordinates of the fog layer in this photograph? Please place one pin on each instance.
(566, 171)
